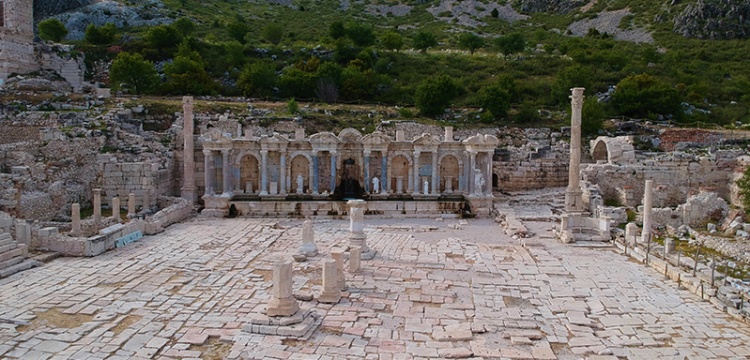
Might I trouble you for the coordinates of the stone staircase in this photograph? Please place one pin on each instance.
(13, 257)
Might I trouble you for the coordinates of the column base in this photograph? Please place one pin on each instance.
(282, 307)
(330, 296)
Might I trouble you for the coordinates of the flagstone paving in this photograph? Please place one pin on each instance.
(434, 290)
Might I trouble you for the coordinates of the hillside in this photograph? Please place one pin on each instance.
(693, 51)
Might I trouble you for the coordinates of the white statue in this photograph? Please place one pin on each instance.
(375, 185)
(426, 187)
(300, 184)
(478, 182)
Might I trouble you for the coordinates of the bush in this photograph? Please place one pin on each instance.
(138, 74)
(639, 95)
(470, 41)
(392, 41)
(496, 100)
(360, 34)
(100, 35)
(258, 79)
(52, 30)
(435, 94)
(511, 44)
(424, 40)
(292, 106)
(273, 33)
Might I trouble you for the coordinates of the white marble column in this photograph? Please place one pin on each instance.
(188, 190)
(472, 165)
(208, 176)
(264, 172)
(573, 194)
(116, 209)
(226, 168)
(647, 205)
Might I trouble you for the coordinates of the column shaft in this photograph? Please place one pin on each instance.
(384, 172)
(208, 160)
(316, 173)
(333, 171)
(367, 172)
(471, 172)
(282, 174)
(226, 172)
(435, 167)
(264, 172)
(415, 174)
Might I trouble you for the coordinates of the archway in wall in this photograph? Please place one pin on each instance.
(249, 174)
(399, 169)
(600, 151)
(349, 187)
(495, 182)
(448, 172)
(299, 166)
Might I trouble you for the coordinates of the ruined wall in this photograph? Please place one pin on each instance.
(144, 179)
(62, 60)
(676, 177)
(16, 38)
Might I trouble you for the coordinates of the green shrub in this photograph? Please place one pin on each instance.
(52, 29)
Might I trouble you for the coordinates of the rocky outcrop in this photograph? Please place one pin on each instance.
(106, 11)
(553, 6)
(714, 19)
(45, 8)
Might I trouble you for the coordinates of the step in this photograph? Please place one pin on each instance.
(9, 247)
(28, 264)
(46, 257)
(8, 263)
(5, 236)
(11, 254)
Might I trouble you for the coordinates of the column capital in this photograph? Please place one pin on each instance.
(367, 152)
(225, 152)
(334, 152)
(264, 152)
(207, 152)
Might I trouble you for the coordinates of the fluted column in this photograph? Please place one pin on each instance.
(472, 165)
(264, 172)
(226, 169)
(415, 174)
(573, 194)
(647, 205)
(316, 173)
(333, 171)
(367, 172)
(282, 174)
(207, 161)
(384, 173)
(435, 167)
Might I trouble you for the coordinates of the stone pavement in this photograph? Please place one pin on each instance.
(434, 290)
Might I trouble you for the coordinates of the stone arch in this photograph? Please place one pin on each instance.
(299, 165)
(249, 171)
(449, 171)
(400, 167)
(600, 152)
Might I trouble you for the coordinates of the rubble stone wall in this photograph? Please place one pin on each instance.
(122, 179)
(676, 177)
(531, 174)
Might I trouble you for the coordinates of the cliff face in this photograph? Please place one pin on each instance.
(45, 8)
(715, 19)
(551, 6)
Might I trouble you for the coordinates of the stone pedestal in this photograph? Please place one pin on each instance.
(631, 234)
(23, 233)
(308, 247)
(669, 246)
(331, 293)
(97, 205)
(248, 187)
(357, 235)
(75, 214)
(338, 257)
(116, 209)
(273, 188)
(131, 206)
(355, 259)
(449, 185)
(282, 303)
(399, 184)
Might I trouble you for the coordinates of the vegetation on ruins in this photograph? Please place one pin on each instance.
(330, 53)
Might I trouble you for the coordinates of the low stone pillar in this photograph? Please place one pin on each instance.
(147, 201)
(669, 246)
(357, 235)
(75, 214)
(331, 293)
(299, 133)
(116, 209)
(400, 135)
(399, 184)
(282, 302)
(355, 259)
(338, 257)
(131, 206)
(631, 234)
(97, 205)
(23, 232)
(448, 133)
(308, 247)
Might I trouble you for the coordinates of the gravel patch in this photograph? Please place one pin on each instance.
(609, 21)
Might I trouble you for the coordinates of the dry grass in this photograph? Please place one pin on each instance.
(213, 349)
(57, 319)
(125, 323)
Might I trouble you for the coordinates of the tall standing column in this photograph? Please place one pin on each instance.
(316, 173)
(226, 172)
(97, 205)
(188, 190)
(367, 172)
(264, 172)
(385, 180)
(208, 161)
(415, 174)
(435, 180)
(573, 194)
(116, 209)
(131, 206)
(472, 165)
(488, 177)
(282, 174)
(647, 204)
(333, 171)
